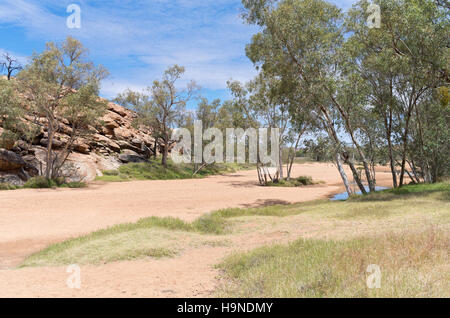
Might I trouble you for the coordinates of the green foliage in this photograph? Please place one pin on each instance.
(10, 113)
(295, 182)
(131, 240)
(163, 108)
(41, 182)
(315, 268)
(153, 170)
(63, 82)
(372, 85)
(7, 186)
(397, 66)
(443, 189)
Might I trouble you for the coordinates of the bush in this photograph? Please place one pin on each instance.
(39, 183)
(153, 170)
(297, 182)
(73, 185)
(111, 172)
(7, 186)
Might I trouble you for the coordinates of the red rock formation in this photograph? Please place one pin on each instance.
(100, 151)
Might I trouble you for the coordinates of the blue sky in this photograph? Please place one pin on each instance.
(137, 40)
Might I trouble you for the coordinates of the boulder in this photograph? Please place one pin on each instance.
(65, 129)
(56, 143)
(130, 153)
(106, 142)
(122, 111)
(11, 178)
(125, 145)
(113, 142)
(6, 142)
(111, 120)
(10, 161)
(137, 142)
(123, 133)
(125, 158)
(82, 147)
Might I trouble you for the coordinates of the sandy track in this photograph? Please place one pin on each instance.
(32, 219)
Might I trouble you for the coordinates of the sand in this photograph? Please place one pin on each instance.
(30, 220)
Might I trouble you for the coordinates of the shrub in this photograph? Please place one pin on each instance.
(44, 183)
(7, 186)
(39, 183)
(297, 182)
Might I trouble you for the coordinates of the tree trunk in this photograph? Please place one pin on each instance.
(292, 158)
(405, 144)
(333, 135)
(165, 155)
(280, 163)
(356, 177)
(155, 148)
(392, 163)
(414, 171)
(343, 174)
(49, 160)
(358, 147)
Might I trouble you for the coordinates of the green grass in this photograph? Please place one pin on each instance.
(7, 186)
(414, 262)
(141, 239)
(215, 223)
(296, 182)
(153, 170)
(43, 183)
(96, 248)
(407, 192)
(412, 265)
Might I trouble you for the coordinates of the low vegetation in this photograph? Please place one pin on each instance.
(165, 237)
(43, 183)
(412, 265)
(127, 241)
(153, 170)
(293, 183)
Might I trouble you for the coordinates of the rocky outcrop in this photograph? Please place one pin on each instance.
(109, 145)
(14, 169)
(10, 161)
(130, 156)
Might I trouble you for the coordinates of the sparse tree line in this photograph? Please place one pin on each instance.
(358, 96)
(380, 95)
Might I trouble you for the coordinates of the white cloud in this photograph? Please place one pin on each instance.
(138, 39)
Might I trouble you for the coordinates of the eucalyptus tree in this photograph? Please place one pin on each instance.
(162, 106)
(246, 115)
(429, 149)
(10, 114)
(306, 36)
(401, 63)
(207, 113)
(63, 82)
(271, 102)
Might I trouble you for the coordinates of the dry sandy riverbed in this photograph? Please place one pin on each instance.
(30, 220)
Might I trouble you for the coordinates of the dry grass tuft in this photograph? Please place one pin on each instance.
(413, 264)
